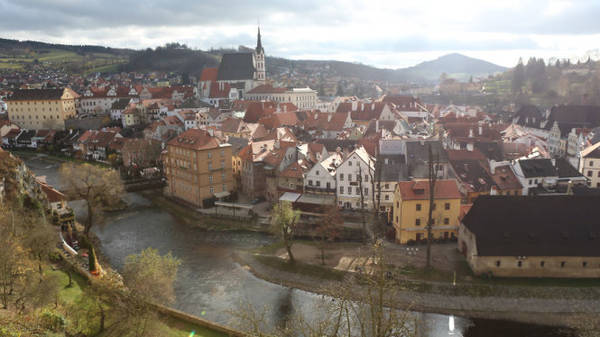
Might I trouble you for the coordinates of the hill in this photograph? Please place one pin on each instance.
(455, 65)
(174, 57)
(34, 55)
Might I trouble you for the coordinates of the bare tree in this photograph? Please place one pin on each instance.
(432, 164)
(328, 230)
(97, 186)
(358, 306)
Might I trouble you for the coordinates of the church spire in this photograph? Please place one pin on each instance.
(259, 47)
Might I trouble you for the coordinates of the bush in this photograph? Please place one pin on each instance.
(55, 256)
(84, 242)
(52, 320)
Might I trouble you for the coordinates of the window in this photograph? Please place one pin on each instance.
(542, 263)
(222, 163)
(212, 190)
(418, 207)
(349, 162)
(358, 191)
(366, 191)
(498, 263)
(222, 153)
(530, 182)
(562, 264)
(591, 163)
(341, 189)
(310, 183)
(209, 165)
(341, 177)
(318, 182)
(328, 185)
(317, 172)
(434, 205)
(366, 178)
(446, 221)
(210, 179)
(536, 181)
(224, 187)
(589, 173)
(520, 264)
(584, 264)
(418, 222)
(222, 175)
(447, 206)
(209, 155)
(349, 177)
(387, 197)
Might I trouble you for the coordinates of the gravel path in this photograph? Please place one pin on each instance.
(554, 311)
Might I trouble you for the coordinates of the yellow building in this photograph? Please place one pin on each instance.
(198, 168)
(36, 109)
(411, 210)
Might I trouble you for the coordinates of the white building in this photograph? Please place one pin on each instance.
(357, 166)
(535, 172)
(589, 164)
(303, 98)
(321, 177)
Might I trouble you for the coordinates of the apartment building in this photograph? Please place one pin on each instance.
(41, 108)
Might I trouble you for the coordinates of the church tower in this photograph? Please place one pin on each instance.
(259, 56)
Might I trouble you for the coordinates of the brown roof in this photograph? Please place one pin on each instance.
(294, 170)
(505, 178)
(465, 155)
(232, 125)
(363, 111)
(267, 89)
(52, 194)
(209, 74)
(38, 94)
(419, 189)
(195, 139)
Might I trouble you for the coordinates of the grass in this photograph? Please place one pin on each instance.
(312, 270)
(178, 328)
(68, 295)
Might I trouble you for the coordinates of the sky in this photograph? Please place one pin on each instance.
(390, 34)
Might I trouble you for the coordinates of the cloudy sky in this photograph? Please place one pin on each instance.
(396, 33)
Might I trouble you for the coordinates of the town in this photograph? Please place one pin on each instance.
(509, 193)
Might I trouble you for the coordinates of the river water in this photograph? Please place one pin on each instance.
(211, 285)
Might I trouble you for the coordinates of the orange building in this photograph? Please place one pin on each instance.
(198, 168)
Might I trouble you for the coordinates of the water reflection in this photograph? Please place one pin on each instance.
(210, 284)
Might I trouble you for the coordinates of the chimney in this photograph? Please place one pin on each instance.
(470, 133)
(362, 106)
(480, 127)
(377, 125)
(570, 188)
(329, 117)
(354, 105)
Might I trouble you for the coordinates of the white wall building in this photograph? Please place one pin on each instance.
(357, 165)
(321, 177)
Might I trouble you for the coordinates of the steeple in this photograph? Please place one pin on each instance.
(259, 47)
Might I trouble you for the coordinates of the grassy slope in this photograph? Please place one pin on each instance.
(174, 327)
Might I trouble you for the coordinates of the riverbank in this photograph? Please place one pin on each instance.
(544, 311)
(192, 218)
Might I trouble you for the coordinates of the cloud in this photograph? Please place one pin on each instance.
(356, 30)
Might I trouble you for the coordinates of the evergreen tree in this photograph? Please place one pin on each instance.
(518, 79)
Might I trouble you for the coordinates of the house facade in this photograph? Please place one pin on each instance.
(411, 210)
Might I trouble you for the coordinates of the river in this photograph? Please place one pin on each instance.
(211, 285)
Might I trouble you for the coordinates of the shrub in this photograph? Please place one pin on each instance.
(55, 256)
(52, 320)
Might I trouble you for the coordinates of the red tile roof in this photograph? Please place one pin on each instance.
(209, 74)
(195, 139)
(419, 189)
(267, 89)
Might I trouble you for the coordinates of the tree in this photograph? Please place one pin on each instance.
(98, 187)
(358, 306)
(149, 279)
(518, 78)
(284, 220)
(432, 164)
(328, 230)
(150, 276)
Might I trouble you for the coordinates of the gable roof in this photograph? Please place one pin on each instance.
(35, 94)
(566, 170)
(565, 225)
(472, 175)
(505, 178)
(236, 66)
(209, 74)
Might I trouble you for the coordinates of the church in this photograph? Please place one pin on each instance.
(237, 74)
